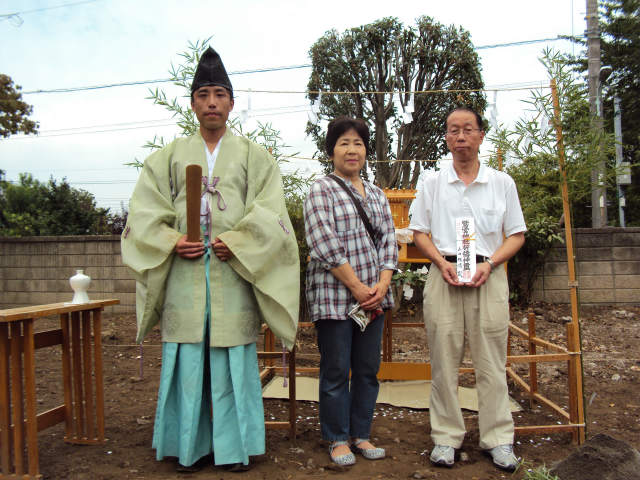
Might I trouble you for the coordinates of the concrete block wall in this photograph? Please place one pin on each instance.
(607, 268)
(36, 270)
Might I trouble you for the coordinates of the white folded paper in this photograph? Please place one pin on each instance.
(466, 248)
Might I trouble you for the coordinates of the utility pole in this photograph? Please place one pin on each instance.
(598, 191)
(622, 177)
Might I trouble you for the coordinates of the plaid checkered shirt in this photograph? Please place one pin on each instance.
(336, 235)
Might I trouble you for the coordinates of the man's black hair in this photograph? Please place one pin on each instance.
(479, 119)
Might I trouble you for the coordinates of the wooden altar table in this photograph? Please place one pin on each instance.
(82, 412)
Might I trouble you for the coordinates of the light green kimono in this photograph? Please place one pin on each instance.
(261, 281)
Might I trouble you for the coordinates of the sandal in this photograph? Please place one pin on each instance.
(342, 460)
(375, 453)
(188, 468)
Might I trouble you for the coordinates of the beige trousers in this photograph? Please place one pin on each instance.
(484, 314)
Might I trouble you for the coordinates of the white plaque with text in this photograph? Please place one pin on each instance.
(466, 248)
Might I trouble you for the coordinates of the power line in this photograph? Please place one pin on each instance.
(161, 80)
(32, 137)
(258, 70)
(6, 16)
(524, 42)
(106, 125)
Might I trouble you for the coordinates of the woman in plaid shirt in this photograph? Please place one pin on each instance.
(348, 268)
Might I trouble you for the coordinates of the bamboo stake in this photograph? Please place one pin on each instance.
(573, 343)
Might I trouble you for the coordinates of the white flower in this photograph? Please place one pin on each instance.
(424, 270)
(407, 290)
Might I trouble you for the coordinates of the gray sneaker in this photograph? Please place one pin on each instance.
(442, 455)
(503, 457)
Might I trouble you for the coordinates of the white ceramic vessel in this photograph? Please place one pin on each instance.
(80, 284)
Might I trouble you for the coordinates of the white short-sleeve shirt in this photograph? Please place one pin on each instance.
(491, 199)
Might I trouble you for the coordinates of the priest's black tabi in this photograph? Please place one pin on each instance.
(211, 72)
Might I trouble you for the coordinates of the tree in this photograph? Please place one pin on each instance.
(33, 208)
(385, 56)
(531, 153)
(13, 111)
(620, 49)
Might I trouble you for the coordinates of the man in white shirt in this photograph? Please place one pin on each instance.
(466, 290)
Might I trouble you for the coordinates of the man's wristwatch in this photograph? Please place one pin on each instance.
(491, 263)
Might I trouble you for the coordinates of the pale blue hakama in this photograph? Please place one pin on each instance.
(197, 380)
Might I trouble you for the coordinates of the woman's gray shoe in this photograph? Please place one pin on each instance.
(342, 460)
(368, 453)
(442, 455)
(503, 457)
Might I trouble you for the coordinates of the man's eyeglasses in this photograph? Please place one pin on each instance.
(454, 132)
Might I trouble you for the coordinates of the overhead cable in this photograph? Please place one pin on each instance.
(259, 70)
(160, 80)
(24, 12)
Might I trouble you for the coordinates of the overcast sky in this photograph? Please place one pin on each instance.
(91, 43)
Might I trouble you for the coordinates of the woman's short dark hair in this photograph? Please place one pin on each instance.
(479, 119)
(338, 126)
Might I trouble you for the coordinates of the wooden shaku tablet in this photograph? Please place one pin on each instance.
(194, 182)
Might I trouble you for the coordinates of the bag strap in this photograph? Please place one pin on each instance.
(356, 202)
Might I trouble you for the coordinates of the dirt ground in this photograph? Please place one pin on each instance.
(611, 344)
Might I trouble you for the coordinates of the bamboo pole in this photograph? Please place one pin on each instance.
(573, 343)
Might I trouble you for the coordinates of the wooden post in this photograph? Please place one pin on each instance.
(5, 413)
(573, 340)
(16, 398)
(533, 366)
(292, 394)
(97, 345)
(67, 375)
(387, 337)
(269, 346)
(76, 361)
(193, 183)
(28, 350)
(87, 374)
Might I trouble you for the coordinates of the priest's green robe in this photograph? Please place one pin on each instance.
(227, 301)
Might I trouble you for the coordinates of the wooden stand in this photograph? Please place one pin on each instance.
(399, 202)
(83, 407)
(270, 356)
(574, 420)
